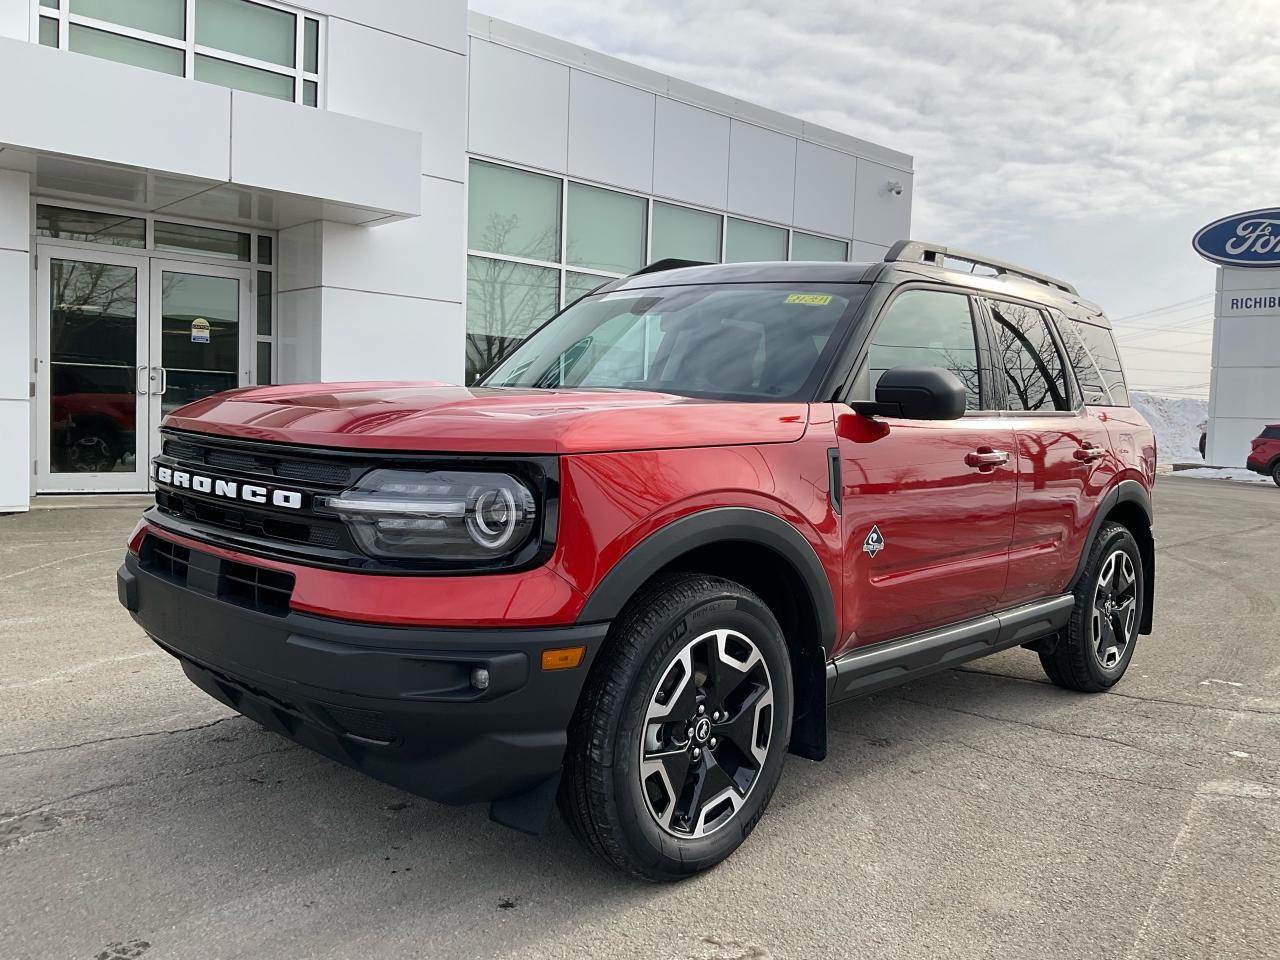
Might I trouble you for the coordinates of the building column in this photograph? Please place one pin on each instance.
(376, 302)
(15, 341)
(1246, 362)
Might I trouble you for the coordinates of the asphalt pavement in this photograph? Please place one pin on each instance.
(980, 812)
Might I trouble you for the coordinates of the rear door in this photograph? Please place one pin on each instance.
(1063, 449)
(927, 506)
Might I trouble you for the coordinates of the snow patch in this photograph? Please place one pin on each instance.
(1239, 474)
(1177, 422)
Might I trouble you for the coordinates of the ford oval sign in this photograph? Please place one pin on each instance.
(1244, 240)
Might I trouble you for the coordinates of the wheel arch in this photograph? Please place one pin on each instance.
(1128, 503)
(768, 556)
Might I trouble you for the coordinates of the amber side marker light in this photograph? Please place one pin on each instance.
(562, 658)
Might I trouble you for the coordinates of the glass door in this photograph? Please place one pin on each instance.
(91, 371)
(201, 335)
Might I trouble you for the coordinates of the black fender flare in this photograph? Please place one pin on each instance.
(715, 525)
(1126, 491)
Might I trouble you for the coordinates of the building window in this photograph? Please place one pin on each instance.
(806, 246)
(746, 241)
(257, 46)
(537, 242)
(265, 320)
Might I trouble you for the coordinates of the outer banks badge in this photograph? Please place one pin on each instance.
(874, 542)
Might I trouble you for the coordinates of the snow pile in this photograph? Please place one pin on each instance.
(1177, 422)
(1224, 473)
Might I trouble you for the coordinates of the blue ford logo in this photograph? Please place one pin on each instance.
(1243, 240)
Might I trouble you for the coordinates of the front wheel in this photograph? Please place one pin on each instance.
(680, 736)
(1095, 648)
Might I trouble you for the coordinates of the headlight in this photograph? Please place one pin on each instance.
(445, 514)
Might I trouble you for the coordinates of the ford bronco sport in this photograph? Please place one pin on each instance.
(632, 568)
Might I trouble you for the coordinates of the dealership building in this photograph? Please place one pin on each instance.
(202, 194)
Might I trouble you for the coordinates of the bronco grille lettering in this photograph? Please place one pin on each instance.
(227, 489)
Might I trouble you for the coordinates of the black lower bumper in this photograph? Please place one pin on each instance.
(393, 702)
(1257, 468)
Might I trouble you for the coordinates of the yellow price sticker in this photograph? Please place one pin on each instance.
(811, 299)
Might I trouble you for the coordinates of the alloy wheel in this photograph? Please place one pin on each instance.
(706, 733)
(1115, 609)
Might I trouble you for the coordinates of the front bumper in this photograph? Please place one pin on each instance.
(396, 703)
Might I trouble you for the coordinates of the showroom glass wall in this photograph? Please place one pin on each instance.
(536, 242)
(260, 47)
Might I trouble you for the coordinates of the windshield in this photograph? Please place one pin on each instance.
(731, 341)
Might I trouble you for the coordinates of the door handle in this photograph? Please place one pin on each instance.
(984, 458)
(1089, 452)
(161, 376)
(142, 381)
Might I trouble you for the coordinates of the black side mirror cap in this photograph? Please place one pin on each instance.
(916, 393)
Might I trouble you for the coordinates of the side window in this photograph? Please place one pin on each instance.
(1080, 359)
(926, 328)
(1035, 378)
(1101, 347)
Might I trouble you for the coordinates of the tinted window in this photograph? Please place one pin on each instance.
(733, 340)
(1035, 378)
(1270, 433)
(1104, 358)
(931, 329)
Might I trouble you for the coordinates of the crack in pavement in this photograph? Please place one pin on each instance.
(131, 736)
(1126, 696)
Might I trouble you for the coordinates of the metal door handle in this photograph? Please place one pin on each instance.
(1089, 452)
(142, 380)
(162, 379)
(984, 458)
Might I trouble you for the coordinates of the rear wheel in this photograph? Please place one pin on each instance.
(681, 733)
(1098, 642)
(1275, 472)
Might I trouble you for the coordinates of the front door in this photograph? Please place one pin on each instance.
(928, 506)
(122, 339)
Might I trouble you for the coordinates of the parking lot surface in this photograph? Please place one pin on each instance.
(977, 813)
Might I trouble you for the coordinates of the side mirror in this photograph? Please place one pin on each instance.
(916, 393)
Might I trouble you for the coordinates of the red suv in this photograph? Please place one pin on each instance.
(632, 567)
(1264, 457)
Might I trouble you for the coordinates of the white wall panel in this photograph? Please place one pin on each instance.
(294, 149)
(15, 464)
(762, 172)
(439, 22)
(298, 256)
(518, 106)
(389, 79)
(1246, 392)
(824, 190)
(419, 257)
(880, 215)
(15, 326)
(15, 211)
(864, 252)
(691, 154)
(15, 19)
(1247, 278)
(298, 336)
(610, 132)
(1229, 438)
(105, 100)
(410, 334)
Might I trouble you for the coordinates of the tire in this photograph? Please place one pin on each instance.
(1079, 661)
(657, 666)
(1275, 472)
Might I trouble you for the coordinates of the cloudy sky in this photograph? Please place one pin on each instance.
(1087, 138)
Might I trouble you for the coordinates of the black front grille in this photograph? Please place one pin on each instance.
(258, 588)
(220, 454)
(255, 587)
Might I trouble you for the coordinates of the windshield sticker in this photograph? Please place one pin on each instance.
(810, 299)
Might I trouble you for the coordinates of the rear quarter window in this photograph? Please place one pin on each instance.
(1092, 353)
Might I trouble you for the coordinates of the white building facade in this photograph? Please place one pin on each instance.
(203, 194)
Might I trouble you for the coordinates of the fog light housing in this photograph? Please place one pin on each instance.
(480, 678)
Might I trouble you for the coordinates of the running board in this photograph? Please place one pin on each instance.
(868, 669)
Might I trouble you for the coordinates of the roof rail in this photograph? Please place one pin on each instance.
(916, 251)
(671, 263)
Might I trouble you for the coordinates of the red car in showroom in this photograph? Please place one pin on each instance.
(632, 568)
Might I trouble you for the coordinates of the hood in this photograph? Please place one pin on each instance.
(440, 418)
